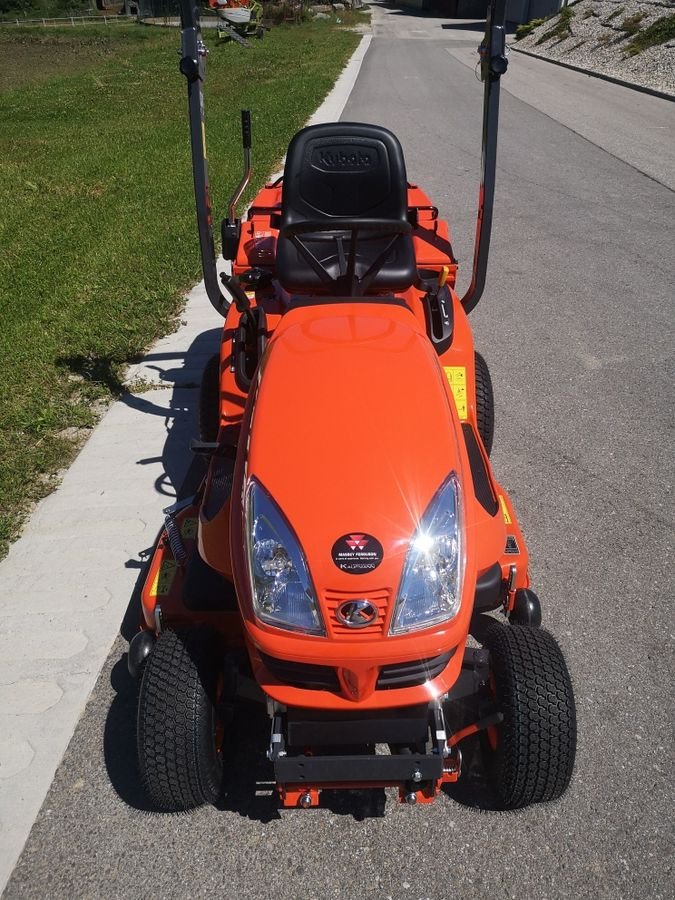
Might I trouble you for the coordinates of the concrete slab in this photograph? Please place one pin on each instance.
(67, 582)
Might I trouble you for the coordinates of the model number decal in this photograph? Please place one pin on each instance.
(357, 553)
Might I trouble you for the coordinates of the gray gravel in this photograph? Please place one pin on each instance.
(598, 43)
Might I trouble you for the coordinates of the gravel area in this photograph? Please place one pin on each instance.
(599, 38)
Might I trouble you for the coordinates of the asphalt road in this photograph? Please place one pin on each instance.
(577, 326)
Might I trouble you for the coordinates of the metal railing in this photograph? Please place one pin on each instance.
(72, 20)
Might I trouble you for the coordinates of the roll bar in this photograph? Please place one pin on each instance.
(193, 67)
(493, 64)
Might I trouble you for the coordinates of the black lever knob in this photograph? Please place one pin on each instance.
(246, 128)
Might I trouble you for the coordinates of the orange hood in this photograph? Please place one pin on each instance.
(352, 435)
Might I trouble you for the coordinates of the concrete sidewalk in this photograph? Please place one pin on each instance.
(68, 581)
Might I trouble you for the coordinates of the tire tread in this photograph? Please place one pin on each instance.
(535, 755)
(176, 751)
(485, 411)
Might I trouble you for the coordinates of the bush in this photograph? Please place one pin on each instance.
(562, 28)
(523, 30)
(657, 33)
(631, 24)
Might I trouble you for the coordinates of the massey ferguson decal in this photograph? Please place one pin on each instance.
(357, 553)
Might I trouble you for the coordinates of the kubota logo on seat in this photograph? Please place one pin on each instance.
(343, 158)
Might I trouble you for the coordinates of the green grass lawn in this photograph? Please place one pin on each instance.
(97, 227)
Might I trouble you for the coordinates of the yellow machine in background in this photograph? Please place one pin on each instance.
(238, 19)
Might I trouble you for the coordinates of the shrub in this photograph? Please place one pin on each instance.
(523, 30)
(631, 24)
(562, 28)
(657, 33)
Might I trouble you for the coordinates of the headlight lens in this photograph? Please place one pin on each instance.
(283, 594)
(431, 585)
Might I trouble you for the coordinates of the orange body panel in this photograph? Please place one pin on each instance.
(352, 423)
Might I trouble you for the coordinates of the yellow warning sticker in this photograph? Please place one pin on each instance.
(505, 511)
(165, 577)
(456, 376)
(189, 528)
(153, 588)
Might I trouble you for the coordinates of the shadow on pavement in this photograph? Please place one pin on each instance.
(181, 474)
(180, 477)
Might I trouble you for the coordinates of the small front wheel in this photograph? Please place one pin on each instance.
(532, 753)
(178, 734)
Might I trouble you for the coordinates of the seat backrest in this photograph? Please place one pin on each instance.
(344, 169)
(352, 171)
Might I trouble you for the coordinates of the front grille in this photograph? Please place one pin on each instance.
(411, 674)
(302, 675)
(325, 678)
(380, 599)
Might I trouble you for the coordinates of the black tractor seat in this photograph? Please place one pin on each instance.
(344, 225)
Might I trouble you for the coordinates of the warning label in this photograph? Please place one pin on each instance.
(164, 578)
(456, 376)
(505, 510)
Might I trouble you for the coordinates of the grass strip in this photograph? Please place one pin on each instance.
(98, 232)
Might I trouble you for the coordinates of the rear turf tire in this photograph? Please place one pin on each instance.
(485, 408)
(179, 763)
(536, 743)
(209, 400)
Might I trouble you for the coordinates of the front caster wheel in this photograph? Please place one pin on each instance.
(179, 735)
(526, 609)
(532, 752)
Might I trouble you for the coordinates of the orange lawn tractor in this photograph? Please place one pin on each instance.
(349, 559)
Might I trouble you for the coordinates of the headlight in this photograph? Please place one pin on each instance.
(282, 589)
(431, 585)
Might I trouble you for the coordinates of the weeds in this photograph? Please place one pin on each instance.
(562, 28)
(527, 28)
(631, 24)
(613, 15)
(658, 32)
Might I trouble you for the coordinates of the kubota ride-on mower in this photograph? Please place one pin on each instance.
(349, 535)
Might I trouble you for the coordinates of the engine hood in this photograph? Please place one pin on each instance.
(352, 433)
